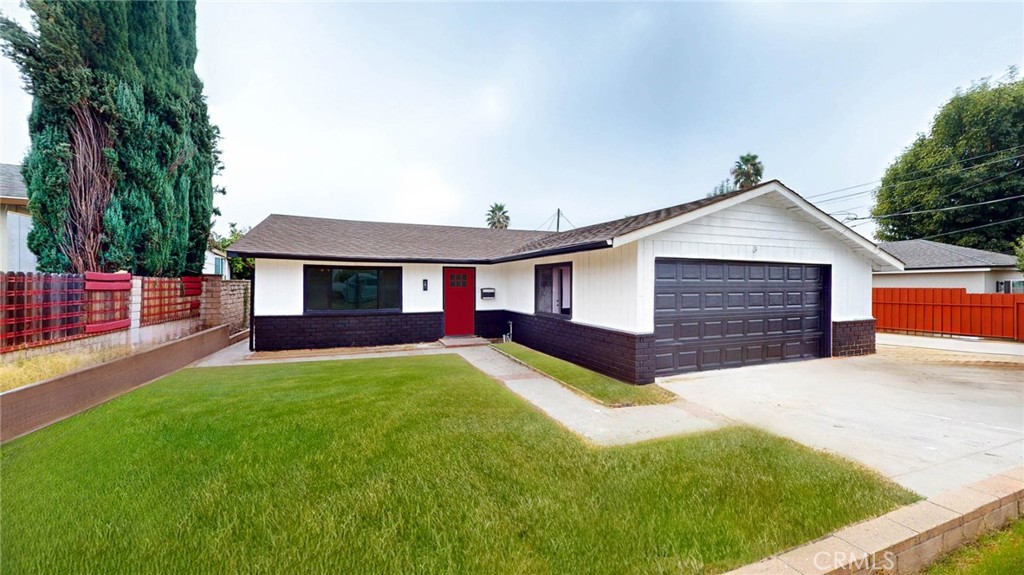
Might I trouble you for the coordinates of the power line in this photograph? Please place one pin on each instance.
(945, 209)
(932, 168)
(942, 197)
(972, 228)
(896, 184)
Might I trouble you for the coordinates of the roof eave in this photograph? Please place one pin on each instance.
(951, 269)
(875, 254)
(595, 245)
(359, 259)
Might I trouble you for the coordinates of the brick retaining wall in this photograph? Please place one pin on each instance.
(28, 408)
(625, 356)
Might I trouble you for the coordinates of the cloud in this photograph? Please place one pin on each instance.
(493, 106)
(419, 192)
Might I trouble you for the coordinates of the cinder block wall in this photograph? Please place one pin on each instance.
(225, 302)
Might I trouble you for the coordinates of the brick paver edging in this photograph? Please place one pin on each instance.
(908, 539)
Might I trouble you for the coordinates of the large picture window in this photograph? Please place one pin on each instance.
(352, 289)
(553, 289)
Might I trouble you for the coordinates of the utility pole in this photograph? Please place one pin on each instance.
(558, 220)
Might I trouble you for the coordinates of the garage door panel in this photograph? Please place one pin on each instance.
(727, 314)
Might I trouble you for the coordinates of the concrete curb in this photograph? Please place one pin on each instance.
(908, 539)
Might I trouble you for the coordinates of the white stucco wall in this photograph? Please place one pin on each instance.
(760, 231)
(974, 281)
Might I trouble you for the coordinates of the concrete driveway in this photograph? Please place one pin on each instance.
(930, 420)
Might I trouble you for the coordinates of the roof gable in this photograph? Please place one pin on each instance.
(880, 259)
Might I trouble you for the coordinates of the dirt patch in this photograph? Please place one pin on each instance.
(293, 353)
(921, 355)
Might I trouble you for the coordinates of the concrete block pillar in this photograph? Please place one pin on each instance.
(210, 301)
(135, 313)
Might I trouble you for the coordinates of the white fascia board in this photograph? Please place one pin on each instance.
(937, 271)
(826, 222)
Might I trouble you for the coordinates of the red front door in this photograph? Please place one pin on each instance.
(459, 301)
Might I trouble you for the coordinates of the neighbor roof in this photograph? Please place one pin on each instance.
(11, 183)
(926, 254)
(298, 237)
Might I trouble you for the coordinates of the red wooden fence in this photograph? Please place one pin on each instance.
(43, 309)
(170, 299)
(950, 311)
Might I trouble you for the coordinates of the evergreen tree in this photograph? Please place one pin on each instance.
(123, 154)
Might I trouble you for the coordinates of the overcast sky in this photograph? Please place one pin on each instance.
(429, 113)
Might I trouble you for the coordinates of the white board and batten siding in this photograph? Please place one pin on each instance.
(604, 288)
(760, 230)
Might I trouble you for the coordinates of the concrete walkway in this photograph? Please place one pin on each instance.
(599, 424)
(957, 344)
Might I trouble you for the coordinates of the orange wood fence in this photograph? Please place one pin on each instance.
(950, 311)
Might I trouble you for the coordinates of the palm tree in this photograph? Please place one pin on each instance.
(747, 172)
(497, 217)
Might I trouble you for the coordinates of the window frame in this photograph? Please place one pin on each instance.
(332, 267)
(537, 269)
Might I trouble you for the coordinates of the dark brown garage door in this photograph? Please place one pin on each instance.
(717, 314)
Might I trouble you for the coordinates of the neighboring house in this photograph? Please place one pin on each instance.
(15, 222)
(931, 264)
(216, 263)
(748, 277)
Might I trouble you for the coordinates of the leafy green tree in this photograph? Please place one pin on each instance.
(497, 217)
(1019, 250)
(241, 268)
(120, 170)
(747, 171)
(974, 153)
(723, 187)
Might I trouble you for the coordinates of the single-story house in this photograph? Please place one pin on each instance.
(15, 222)
(216, 263)
(753, 276)
(929, 264)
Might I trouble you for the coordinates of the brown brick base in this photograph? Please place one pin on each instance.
(853, 337)
(273, 333)
(625, 356)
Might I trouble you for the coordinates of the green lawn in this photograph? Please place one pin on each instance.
(609, 391)
(997, 553)
(409, 465)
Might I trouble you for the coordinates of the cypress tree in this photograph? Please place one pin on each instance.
(123, 153)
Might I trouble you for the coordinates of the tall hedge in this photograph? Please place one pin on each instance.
(123, 154)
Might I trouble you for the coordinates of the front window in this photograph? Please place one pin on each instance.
(352, 289)
(553, 289)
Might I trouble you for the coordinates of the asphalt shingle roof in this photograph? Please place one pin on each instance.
(926, 254)
(11, 184)
(320, 238)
